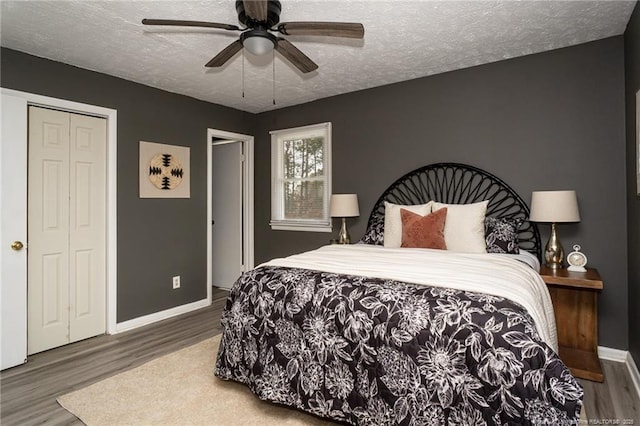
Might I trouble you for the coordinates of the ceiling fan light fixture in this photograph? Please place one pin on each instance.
(258, 42)
(260, 18)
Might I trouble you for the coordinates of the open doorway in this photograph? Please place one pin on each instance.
(229, 207)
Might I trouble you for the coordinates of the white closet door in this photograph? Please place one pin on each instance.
(48, 230)
(87, 227)
(67, 228)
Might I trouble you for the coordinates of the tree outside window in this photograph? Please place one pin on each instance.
(301, 178)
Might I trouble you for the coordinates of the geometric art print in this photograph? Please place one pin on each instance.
(164, 171)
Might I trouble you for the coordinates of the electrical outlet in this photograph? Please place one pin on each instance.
(176, 282)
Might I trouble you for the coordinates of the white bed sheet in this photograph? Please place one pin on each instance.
(498, 275)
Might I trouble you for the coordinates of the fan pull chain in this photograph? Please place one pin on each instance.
(243, 73)
(274, 76)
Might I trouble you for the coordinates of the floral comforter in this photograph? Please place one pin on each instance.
(373, 351)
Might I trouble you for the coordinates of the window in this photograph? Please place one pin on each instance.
(301, 178)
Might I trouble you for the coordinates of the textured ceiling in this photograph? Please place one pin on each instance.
(403, 40)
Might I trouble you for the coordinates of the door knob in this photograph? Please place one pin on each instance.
(17, 245)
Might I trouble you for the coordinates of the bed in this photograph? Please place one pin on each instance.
(379, 334)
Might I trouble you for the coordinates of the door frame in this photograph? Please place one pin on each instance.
(111, 115)
(248, 198)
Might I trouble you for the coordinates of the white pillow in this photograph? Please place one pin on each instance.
(393, 221)
(464, 227)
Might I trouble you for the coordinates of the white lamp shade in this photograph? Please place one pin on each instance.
(554, 206)
(344, 205)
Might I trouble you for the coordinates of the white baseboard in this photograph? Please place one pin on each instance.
(633, 371)
(159, 316)
(611, 354)
(618, 355)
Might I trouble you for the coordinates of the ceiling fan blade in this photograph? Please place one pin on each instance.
(330, 29)
(174, 22)
(256, 9)
(295, 56)
(227, 53)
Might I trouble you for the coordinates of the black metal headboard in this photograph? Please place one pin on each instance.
(454, 183)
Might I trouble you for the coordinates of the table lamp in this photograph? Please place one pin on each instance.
(344, 206)
(554, 207)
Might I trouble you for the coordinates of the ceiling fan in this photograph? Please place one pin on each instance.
(260, 18)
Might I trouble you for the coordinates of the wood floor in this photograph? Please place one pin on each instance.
(28, 392)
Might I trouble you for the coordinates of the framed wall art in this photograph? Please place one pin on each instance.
(164, 171)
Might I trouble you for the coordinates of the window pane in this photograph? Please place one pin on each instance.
(303, 200)
(301, 178)
(303, 158)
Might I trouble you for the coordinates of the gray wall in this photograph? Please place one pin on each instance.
(632, 74)
(554, 120)
(548, 121)
(157, 238)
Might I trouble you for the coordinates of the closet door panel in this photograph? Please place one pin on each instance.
(87, 227)
(48, 229)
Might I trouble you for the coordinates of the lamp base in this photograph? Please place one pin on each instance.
(343, 235)
(553, 251)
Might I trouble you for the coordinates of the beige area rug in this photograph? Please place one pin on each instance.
(180, 389)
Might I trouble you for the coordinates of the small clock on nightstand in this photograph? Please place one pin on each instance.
(577, 260)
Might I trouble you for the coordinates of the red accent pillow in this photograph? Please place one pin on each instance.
(423, 231)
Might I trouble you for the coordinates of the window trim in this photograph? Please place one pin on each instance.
(277, 197)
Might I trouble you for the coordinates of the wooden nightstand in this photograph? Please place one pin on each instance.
(575, 303)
